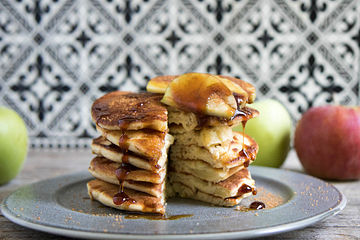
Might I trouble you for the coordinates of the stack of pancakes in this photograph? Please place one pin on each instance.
(208, 161)
(131, 162)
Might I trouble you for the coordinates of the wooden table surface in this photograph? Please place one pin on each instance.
(41, 165)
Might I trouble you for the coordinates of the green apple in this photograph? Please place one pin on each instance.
(271, 130)
(13, 144)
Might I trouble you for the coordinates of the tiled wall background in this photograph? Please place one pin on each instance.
(57, 56)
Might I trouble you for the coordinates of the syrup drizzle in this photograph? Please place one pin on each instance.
(246, 189)
(257, 205)
(123, 144)
(121, 173)
(244, 150)
(240, 99)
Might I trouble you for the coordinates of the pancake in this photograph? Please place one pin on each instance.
(220, 155)
(184, 191)
(106, 168)
(208, 137)
(130, 111)
(203, 170)
(153, 189)
(207, 160)
(104, 193)
(233, 186)
(103, 147)
(146, 142)
(180, 121)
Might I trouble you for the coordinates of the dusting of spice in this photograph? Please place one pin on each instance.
(157, 217)
(269, 199)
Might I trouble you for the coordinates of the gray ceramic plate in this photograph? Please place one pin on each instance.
(61, 206)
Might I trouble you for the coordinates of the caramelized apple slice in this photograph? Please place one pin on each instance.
(201, 93)
(247, 87)
(244, 91)
(240, 94)
(160, 83)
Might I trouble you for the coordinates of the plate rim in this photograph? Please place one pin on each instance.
(267, 231)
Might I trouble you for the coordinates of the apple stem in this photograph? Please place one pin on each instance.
(334, 98)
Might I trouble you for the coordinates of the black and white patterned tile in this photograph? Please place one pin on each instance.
(56, 57)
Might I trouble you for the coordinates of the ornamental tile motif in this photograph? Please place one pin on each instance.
(56, 57)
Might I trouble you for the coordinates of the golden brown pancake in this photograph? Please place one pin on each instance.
(220, 155)
(203, 170)
(184, 191)
(146, 142)
(129, 111)
(231, 187)
(104, 193)
(180, 121)
(104, 167)
(153, 189)
(103, 147)
(209, 137)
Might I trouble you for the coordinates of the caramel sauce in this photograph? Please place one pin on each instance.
(240, 99)
(123, 123)
(256, 205)
(239, 112)
(121, 197)
(123, 141)
(243, 143)
(121, 173)
(100, 113)
(158, 217)
(202, 120)
(125, 157)
(244, 189)
(191, 92)
(246, 163)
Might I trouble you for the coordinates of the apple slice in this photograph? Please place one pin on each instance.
(244, 92)
(200, 93)
(240, 94)
(160, 83)
(247, 87)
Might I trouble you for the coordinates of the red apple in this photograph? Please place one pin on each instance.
(327, 142)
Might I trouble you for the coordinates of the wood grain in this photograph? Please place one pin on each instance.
(41, 165)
